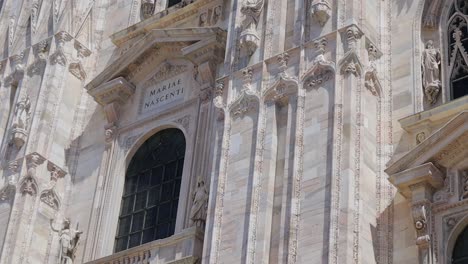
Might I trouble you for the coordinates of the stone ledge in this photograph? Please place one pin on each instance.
(178, 248)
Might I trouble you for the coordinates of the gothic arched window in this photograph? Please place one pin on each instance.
(151, 192)
(457, 51)
(460, 251)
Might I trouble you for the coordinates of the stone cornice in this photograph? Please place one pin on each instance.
(158, 39)
(436, 147)
(426, 174)
(117, 90)
(415, 122)
(167, 18)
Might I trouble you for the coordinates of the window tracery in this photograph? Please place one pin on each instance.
(457, 54)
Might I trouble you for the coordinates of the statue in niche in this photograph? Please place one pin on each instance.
(22, 113)
(200, 204)
(431, 72)
(69, 239)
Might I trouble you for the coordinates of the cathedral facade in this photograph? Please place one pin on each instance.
(233, 131)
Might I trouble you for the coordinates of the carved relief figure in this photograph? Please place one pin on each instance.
(22, 113)
(69, 239)
(200, 204)
(431, 72)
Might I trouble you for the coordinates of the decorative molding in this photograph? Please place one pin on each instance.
(320, 11)
(249, 38)
(28, 185)
(350, 63)
(321, 70)
(464, 180)
(11, 31)
(210, 17)
(110, 133)
(77, 69)
(281, 86)
(51, 198)
(420, 212)
(166, 71)
(35, 8)
(184, 122)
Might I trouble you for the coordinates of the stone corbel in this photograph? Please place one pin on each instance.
(40, 58)
(206, 55)
(418, 185)
(371, 78)
(49, 196)
(59, 57)
(28, 185)
(111, 96)
(320, 11)
(247, 100)
(281, 87)
(17, 72)
(76, 68)
(322, 70)
(351, 63)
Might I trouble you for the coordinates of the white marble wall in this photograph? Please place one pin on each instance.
(294, 149)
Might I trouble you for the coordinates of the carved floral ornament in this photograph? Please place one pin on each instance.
(350, 63)
(322, 70)
(58, 57)
(282, 83)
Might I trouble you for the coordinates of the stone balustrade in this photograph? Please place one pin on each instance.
(183, 247)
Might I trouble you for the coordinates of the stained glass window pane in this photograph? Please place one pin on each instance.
(151, 192)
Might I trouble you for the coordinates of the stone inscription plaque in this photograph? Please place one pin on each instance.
(163, 93)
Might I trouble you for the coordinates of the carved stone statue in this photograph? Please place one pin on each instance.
(431, 72)
(200, 204)
(21, 121)
(69, 239)
(249, 37)
(22, 113)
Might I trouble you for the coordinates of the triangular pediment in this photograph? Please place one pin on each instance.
(446, 147)
(157, 47)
